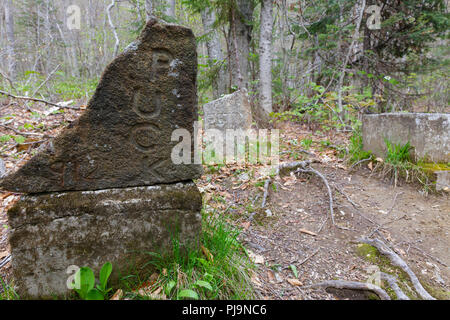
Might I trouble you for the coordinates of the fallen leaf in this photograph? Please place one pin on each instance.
(255, 258)
(278, 277)
(207, 253)
(271, 276)
(246, 225)
(5, 195)
(157, 294)
(370, 165)
(118, 295)
(295, 282)
(255, 279)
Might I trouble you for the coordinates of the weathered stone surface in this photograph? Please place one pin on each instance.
(232, 111)
(124, 137)
(51, 232)
(443, 181)
(428, 133)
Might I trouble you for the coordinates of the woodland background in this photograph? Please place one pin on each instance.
(301, 60)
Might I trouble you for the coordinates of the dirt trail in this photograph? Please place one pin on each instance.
(296, 231)
(417, 227)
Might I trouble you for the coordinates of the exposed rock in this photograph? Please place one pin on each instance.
(124, 137)
(51, 232)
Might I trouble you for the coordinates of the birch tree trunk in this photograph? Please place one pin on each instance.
(10, 36)
(169, 9)
(265, 57)
(214, 49)
(113, 27)
(241, 31)
(148, 9)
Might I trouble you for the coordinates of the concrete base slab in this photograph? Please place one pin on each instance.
(428, 133)
(50, 232)
(443, 181)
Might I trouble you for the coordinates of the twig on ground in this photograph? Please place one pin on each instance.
(399, 262)
(309, 257)
(322, 225)
(424, 253)
(20, 132)
(5, 261)
(385, 224)
(342, 284)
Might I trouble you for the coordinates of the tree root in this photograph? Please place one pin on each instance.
(330, 194)
(281, 170)
(399, 262)
(266, 192)
(342, 284)
(391, 280)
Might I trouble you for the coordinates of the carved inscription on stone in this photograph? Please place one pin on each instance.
(145, 94)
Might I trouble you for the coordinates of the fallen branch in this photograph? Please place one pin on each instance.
(37, 100)
(5, 261)
(309, 257)
(342, 284)
(399, 262)
(19, 132)
(394, 286)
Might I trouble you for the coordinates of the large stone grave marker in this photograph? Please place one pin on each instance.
(232, 111)
(106, 188)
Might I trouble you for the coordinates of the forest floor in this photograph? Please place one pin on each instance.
(295, 230)
(292, 240)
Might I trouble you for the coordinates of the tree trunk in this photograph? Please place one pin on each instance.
(241, 29)
(215, 55)
(265, 57)
(10, 47)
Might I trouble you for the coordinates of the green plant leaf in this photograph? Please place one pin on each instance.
(94, 294)
(187, 293)
(105, 272)
(20, 139)
(84, 281)
(5, 138)
(203, 284)
(294, 270)
(169, 286)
